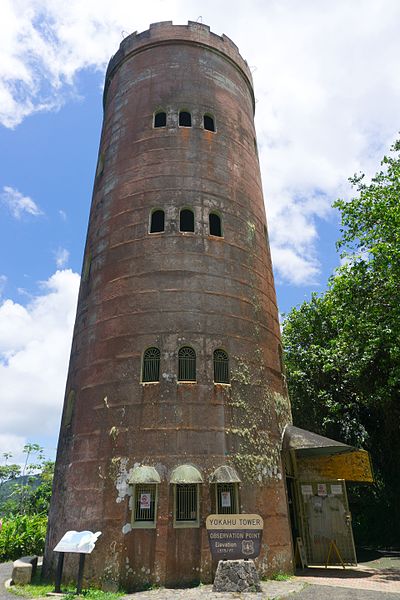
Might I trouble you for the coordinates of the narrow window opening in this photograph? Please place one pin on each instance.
(266, 236)
(186, 364)
(157, 222)
(100, 165)
(87, 266)
(227, 498)
(255, 146)
(186, 220)
(151, 365)
(69, 409)
(144, 510)
(186, 502)
(215, 225)
(221, 366)
(185, 119)
(160, 119)
(208, 122)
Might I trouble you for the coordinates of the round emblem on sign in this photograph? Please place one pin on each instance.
(248, 547)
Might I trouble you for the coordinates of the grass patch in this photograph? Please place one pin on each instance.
(280, 576)
(94, 594)
(39, 589)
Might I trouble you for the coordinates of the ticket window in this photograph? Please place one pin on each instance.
(226, 498)
(144, 509)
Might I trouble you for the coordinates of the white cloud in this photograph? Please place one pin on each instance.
(18, 204)
(34, 350)
(62, 214)
(326, 80)
(62, 257)
(295, 267)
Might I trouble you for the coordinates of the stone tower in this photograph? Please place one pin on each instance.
(175, 399)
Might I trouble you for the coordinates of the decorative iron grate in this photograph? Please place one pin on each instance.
(186, 502)
(221, 366)
(187, 364)
(151, 365)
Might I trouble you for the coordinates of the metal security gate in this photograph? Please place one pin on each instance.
(325, 518)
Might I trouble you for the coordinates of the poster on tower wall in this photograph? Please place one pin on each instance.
(225, 499)
(145, 500)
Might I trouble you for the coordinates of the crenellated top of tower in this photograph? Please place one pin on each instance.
(165, 32)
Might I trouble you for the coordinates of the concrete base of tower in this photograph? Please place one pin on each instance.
(133, 558)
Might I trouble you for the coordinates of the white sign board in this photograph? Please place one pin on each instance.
(336, 489)
(81, 542)
(306, 490)
(322, 491)
(225, 499)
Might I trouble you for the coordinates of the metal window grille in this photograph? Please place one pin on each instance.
(145, 502)
(160, 119)
(186, 502)
(226, 498)
(151, 365)
(186, 220)
(185, 119)
(215, 225)
(157, 221)
(221, 366)
(187, 364)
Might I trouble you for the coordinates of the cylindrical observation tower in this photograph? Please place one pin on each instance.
(175, 400)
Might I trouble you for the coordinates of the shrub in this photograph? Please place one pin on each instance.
(22, 535)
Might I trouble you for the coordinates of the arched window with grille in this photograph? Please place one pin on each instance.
(151, 365)
(186, 220)
(186, 364)
(160, 119)
(221, 366)
(214, 221)
(157, 221)
(185, 119)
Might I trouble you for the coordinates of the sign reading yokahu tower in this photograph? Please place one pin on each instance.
(233, 537)
(175, 401)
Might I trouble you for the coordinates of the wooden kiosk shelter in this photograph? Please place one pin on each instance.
(317, 469)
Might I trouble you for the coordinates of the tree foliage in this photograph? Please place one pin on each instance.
(342, 348)
(26, 489)
(25, 492)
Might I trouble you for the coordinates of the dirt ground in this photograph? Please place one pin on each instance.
(377, 577)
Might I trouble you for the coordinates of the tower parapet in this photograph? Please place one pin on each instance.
(164, 32)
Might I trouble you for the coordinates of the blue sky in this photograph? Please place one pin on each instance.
(328, 104)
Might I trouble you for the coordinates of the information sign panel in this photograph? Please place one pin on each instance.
(80, 542)
(235, 536)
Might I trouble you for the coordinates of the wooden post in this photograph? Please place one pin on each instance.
(333, 546)
(60, 564)
(80, 573)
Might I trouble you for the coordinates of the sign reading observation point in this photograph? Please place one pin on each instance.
(234, 537)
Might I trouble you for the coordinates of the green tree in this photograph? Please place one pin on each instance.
(26, 489)
(342, 348)
(8, 472)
